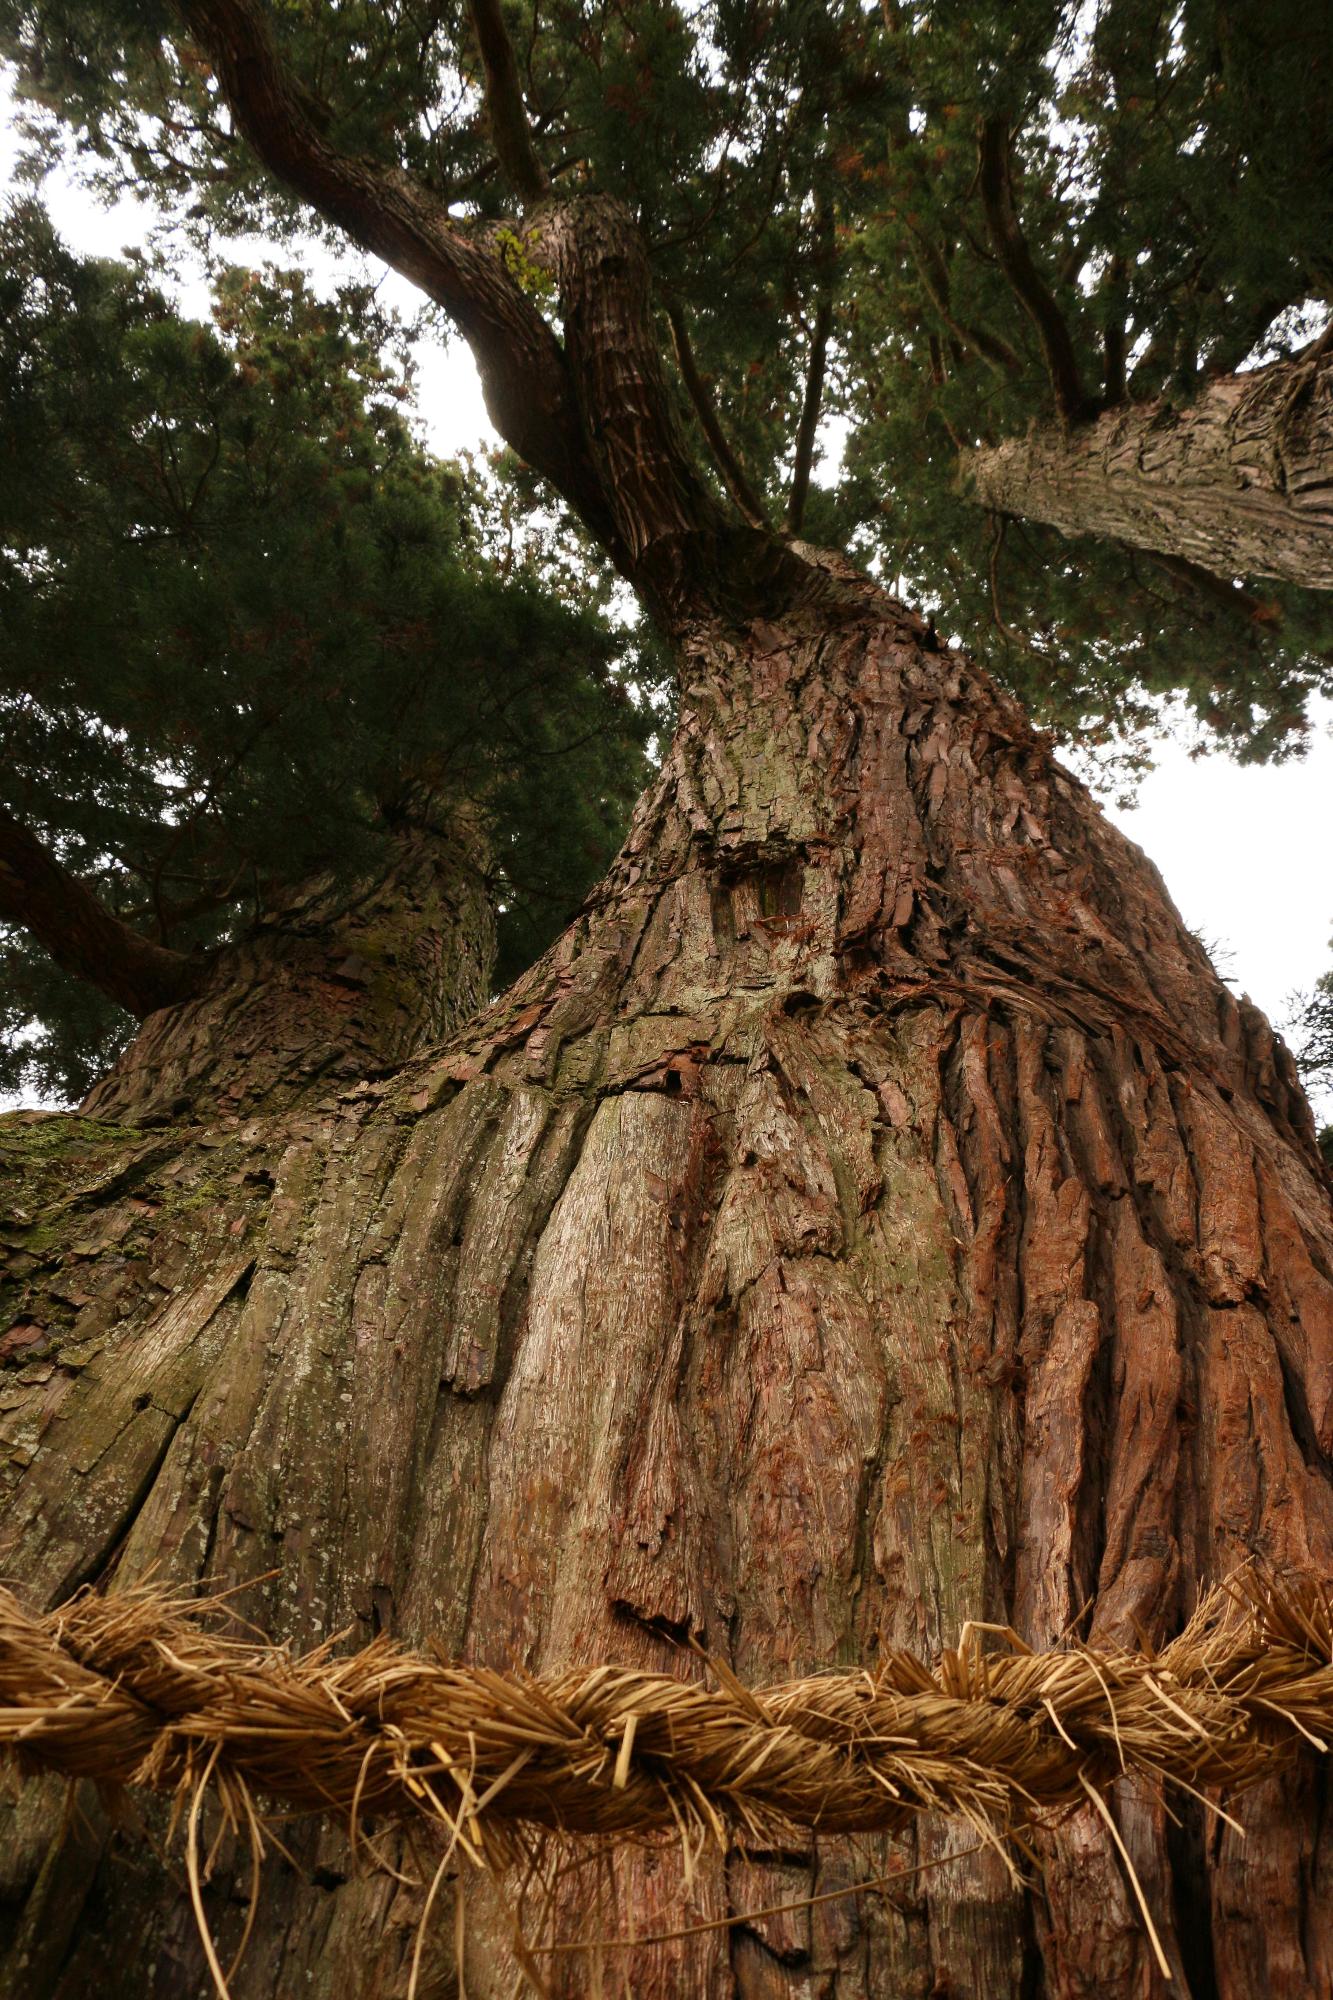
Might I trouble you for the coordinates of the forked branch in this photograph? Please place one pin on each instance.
(933, 272)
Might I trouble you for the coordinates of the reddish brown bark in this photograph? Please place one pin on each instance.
(873, 1214)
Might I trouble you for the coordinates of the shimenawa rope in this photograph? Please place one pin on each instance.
(140, 1689)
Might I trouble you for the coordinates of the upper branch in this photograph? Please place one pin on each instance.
(504, 103)
(393, 215)
(934, 275)
(674, 530)
(1026, 281)
(1115, 334)
(592, 411)
(814, 380)
(81, 934)
(734, 476)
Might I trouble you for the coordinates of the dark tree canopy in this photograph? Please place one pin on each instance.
(245, 616)
(952, 221)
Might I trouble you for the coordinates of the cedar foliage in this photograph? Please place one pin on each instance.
(244, 614)
(809, 182)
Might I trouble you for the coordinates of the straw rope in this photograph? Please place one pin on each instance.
(137, 1689)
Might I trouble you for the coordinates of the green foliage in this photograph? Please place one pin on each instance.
(1174, 178)
(1312, 1031)
(243, 614)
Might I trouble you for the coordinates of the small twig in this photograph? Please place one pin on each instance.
(997, 354)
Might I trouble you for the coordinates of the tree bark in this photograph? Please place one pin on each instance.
(340, 982)
(82, 935)
(1240, 481)
(873, 1214)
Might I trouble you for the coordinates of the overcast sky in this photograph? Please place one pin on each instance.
(1245, 850)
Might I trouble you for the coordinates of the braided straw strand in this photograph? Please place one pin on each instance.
(137, 1689)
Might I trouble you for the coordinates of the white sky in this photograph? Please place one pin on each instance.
(1245, 850)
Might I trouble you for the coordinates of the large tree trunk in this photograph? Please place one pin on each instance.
(341, 981)
(872, 1214)
(1239, 481)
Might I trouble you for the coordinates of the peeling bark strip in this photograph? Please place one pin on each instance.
(1239, 481)
(872, 1214)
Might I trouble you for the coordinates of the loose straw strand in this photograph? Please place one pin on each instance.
(1100, 1803)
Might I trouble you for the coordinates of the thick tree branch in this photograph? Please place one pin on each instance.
(814, 380)
(504, 103)
(1114, 334)
(592, 412)
(81, 934)
(524, 375)
(1239, 480)
(671, 526)
(1113, 359)
(733, 473)
(1025, 280)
